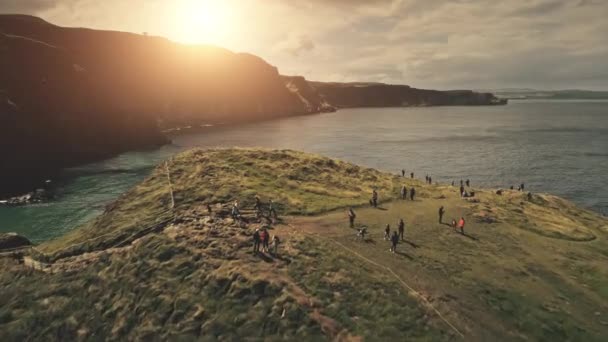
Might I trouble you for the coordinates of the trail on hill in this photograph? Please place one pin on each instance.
(410, 289)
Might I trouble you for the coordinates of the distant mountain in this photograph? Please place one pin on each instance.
(75, 95)
(525, 93)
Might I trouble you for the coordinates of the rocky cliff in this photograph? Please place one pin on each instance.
(72, 95)
(344, 95)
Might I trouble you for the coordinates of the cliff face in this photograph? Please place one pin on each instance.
(71, 95)
(346, 95)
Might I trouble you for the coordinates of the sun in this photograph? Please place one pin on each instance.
(201, 21)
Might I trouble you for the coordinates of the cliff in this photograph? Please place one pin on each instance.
(157, 265)
(345, 95)
(73, 95)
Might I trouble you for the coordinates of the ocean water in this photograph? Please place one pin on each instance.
(558, 147)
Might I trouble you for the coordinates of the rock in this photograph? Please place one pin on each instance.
(13, 240)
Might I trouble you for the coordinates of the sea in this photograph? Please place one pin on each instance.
(552, 146)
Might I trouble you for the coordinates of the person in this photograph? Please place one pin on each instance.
(412, 193)
(256, 241)
(401, 228)
(461, 225)
(275, 244)
(235, 210)
(411, 175)
(361, 233)
(403, 192)
(375, 198)
(452, 183)
(351, 217)
(441, 212)
(387, 232)
(461, 191)
(265, 240)
(468, 183)
(402, 173)
(394, 242)
(430, 180)
(522, 187)
(426, 178)
(453, 223)
(461, 183)
(511, 187)
(271, 211)
(258, 204)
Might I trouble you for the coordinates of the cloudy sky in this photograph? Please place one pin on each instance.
(425, 43)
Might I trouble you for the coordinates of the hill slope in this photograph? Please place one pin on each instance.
(157, 264)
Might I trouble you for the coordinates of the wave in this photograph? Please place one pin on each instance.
(595, 154)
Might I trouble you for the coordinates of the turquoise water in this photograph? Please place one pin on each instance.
(560, 147)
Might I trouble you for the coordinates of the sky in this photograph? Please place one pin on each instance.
(457, 44)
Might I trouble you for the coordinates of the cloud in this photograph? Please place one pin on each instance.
(26, 6)
(296, 45)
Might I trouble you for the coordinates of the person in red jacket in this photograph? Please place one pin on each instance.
(461, 225)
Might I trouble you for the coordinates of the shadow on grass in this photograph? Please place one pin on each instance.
(265, 257)
(472, 237)
(411, 243)
(381, 208)
(404, 255)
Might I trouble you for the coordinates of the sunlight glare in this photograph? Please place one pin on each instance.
(202, 21)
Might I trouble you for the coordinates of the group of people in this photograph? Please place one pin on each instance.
(404, 193)
(403, 174)
(396, 236)
(429, 179)
(259, 209)
(261, 237)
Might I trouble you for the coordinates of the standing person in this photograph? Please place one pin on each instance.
(375, 198)
(522, 187)
(430, 180)
(461, 225)
(426, 178)
(402, 173)
(256, 241)
(452, 183)
(387, 232)
(468, 183)
(411, 175)
(441, 212)
(453, 224)
(351, 217)
(258, 204)
(394, 242)
(403, 192)
(275, 244)
(401, 228)
(235, 210)
(265, 240)
(412, 193)
(461, 191)
(271, 210)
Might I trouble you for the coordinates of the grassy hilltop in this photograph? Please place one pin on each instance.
(156, 265)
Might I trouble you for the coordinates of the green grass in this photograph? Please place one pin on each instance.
(537, 272)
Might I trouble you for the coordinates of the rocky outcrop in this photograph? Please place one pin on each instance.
(11, 241)
(345, 95)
